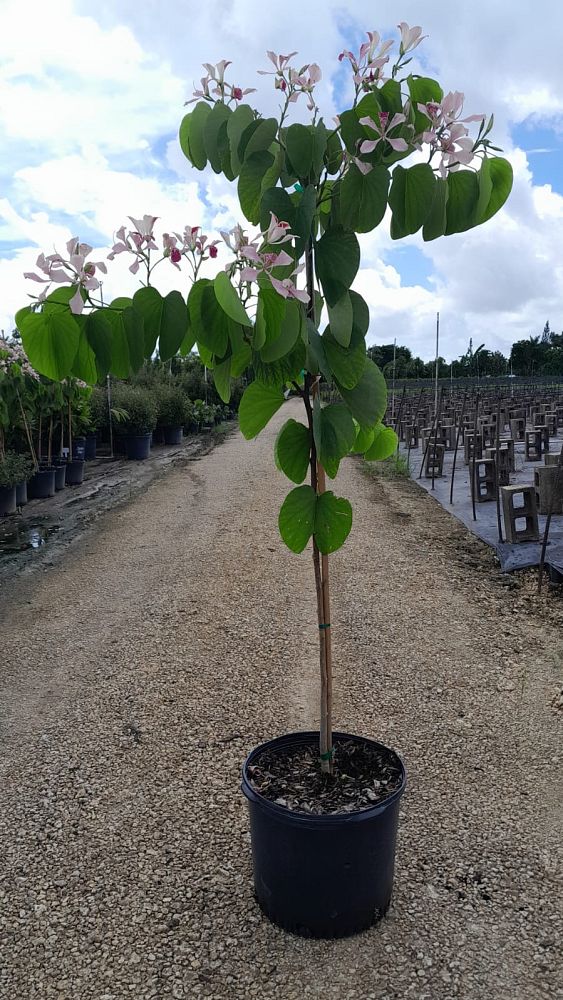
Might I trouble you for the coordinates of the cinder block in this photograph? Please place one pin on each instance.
(526, 511)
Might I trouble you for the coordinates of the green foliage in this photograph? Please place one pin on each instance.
(304, 514)
(14, 469)
(257, 407)
(292, 450)
(171, 407)
(139, 404)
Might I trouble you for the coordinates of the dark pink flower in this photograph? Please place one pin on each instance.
(175, 255)
(212, 251)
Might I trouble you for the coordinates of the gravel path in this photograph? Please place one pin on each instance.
(136, 676)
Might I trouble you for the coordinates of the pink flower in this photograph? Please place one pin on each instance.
(76, 271)
(175, 255)
(410, 37)
(277, 231)
(382, 129)
(213, 250)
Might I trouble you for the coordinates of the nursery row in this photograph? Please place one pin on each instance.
(49, 429)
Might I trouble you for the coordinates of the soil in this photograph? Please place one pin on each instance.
(363, 777)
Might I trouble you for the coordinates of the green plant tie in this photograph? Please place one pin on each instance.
(325, 625)
(328, 755)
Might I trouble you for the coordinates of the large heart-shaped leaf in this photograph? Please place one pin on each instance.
(463, 198)
(367, 401)
(410, 198)
(341, 318)
(292, 450)
(347, 364)
(337, 259)
(289, 332)
(50, 340)
(250, 183)
(237, 123)
(384, 444)
(229, 300)
(165, 320)
(98, 333)
(297, 517)
(191, 135)
(363, 198)
(215, 135)
(258, 404)
(333, 522)
(495, 184)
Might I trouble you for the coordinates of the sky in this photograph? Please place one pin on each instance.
(92, 95)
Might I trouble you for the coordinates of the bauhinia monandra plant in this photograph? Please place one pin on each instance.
(285, 304)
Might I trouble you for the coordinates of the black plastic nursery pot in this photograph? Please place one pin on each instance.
(60, 475)
(41, 485)
(75, 472)
(90, 447)
(324, 876)
(8, 503)
(173, 435)
(139, 446)
(158, 435)
(21, 493)
(79, 448)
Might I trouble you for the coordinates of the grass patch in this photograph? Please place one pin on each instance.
(395, 467)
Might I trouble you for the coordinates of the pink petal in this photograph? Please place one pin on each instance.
(368, 145)
(76, 303)
(399, 144)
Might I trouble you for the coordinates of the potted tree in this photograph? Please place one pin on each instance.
(171, 406)
(139, 419)
(324, 805)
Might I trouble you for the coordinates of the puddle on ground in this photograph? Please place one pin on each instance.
(24, 535)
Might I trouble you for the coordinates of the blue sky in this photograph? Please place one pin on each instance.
(92, 96)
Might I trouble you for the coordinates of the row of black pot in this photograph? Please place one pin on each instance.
(44, 483)
(138, 446)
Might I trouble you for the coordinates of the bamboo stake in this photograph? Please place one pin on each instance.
(473, 456)
(28, 432)
(414, 424)
(436, 435)
(457, 437)
(497, 486)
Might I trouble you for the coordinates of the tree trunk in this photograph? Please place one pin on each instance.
(320, 562)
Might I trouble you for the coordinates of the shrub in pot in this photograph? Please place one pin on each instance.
(323, 855)
(140, 408)
(171, 410)
(14, 470)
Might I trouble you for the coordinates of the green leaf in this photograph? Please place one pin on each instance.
(289, 332)
(269, 316)
(351, 130)
(189, 339)
(284, 370)
(292, 450)
(423, 90)
(364, 439)
(229, 300)
(258, 404)
(361, 313)
(495, 184)
(341, 319)
(385, 444)
(435, 224)
(337, 259)
(363, 198)
(300, 143)
(84, 364)
(333, 155)
(98, 333)
(297, 517)
(337, 432)
(191, 135)
(333, 522)
(215, 135)
(390, 97)
(165, 319)
(214, 330)
(276, 200)
(250, 184)
(50, 340)
(257, 138)
(304, 213)
(463, 197)
(21, 315)
(237, 123)
(316, 357)
(222, 379)
(367, 401)
(410, 198)
(347, 364)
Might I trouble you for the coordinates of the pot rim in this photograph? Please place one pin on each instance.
(316, 819)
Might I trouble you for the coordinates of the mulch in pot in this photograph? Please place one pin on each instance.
(364, 775)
